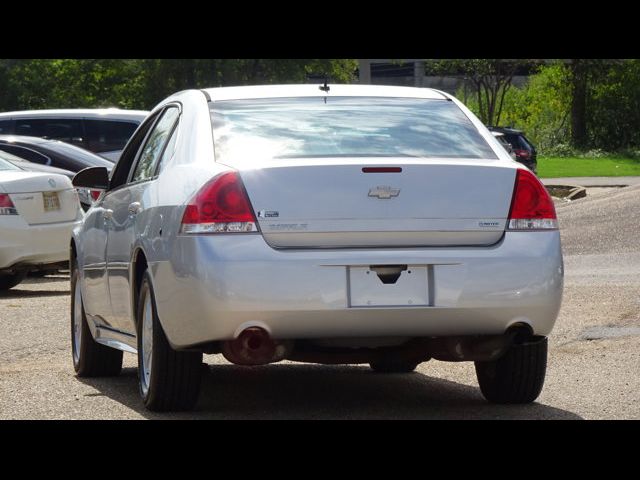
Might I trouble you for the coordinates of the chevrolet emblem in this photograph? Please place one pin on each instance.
(384, 192)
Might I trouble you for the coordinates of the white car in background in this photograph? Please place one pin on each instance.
(37, 213)
(103, 131)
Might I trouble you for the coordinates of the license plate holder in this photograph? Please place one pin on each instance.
(366, 289)
(50, 201)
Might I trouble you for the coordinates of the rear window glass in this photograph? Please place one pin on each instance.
(51, 128)
(519, 142)
(5, 165)
(77, 154)
(108, 135)
(25, 153)
(6, 126)
(280, 128)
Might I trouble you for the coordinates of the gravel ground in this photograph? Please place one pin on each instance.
(593, 372)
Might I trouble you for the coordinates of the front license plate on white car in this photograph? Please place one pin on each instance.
(367, 289)
(51, 201)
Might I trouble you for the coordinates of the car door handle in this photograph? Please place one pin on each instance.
(108, 214)
(134, 208)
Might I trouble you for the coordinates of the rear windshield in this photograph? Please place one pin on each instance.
(6, 165)
(77, 155)
(107, 135)
(280, 128)
(519, 141)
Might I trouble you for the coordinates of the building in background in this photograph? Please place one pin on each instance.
(411, 73)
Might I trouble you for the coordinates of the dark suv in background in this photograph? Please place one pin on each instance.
(103, 131)
(523, 149)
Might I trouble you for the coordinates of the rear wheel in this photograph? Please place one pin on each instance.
(90, 358)
(168, 379)
(10, 280)
(517, 376)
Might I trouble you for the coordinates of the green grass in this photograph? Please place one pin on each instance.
(550, 167)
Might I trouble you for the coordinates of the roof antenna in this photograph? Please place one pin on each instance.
(325, 87)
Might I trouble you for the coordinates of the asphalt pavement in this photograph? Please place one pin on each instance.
(593, 371)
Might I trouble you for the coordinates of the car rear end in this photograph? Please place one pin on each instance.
(352, 222)
(37, 213)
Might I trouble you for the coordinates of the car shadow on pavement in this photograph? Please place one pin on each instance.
(19, 293)
(306, 391)
(46, 279)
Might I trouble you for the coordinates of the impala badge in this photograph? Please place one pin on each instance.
(384, 192)
(52, 182)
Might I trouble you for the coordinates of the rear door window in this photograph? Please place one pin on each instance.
(168, 150)
(107, 135)
(154, 146)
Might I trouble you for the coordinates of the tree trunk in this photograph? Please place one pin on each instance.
(578, 104)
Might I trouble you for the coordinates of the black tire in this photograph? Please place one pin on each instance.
(174, 382)
(93, 358)
(393, 366)
(10, 280)
(517, 376)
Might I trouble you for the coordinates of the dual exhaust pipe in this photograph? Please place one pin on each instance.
(254, 346)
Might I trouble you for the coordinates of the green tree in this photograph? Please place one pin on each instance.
(72, 83)
(490, 80)
(142, 83)
(614, 106)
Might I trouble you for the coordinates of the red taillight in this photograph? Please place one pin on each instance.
(220, 206)
(522, 153)
(531, 207)
(95, 194)
(6, 205)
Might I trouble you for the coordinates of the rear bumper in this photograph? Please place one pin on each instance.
(22, 244)
(213, 287)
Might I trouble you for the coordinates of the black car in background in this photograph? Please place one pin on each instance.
(53, 153)
(523, 149)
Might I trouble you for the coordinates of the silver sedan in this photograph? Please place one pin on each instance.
(328, 224)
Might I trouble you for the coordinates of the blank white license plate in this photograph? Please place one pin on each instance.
(51, 201)
(367, 290)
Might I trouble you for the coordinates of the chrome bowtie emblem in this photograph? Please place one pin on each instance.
(384, 192)
(52, 182)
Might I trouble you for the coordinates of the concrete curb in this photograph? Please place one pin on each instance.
(567, 192)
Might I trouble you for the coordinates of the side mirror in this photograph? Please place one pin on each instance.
(95, 178)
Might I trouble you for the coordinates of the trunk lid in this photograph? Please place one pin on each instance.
(333, 203)
(41, 198)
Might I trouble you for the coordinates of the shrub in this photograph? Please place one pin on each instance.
(541, 109)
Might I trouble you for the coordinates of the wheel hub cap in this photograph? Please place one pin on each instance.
(147, 344)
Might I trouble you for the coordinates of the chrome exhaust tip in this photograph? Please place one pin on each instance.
(254, 346)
